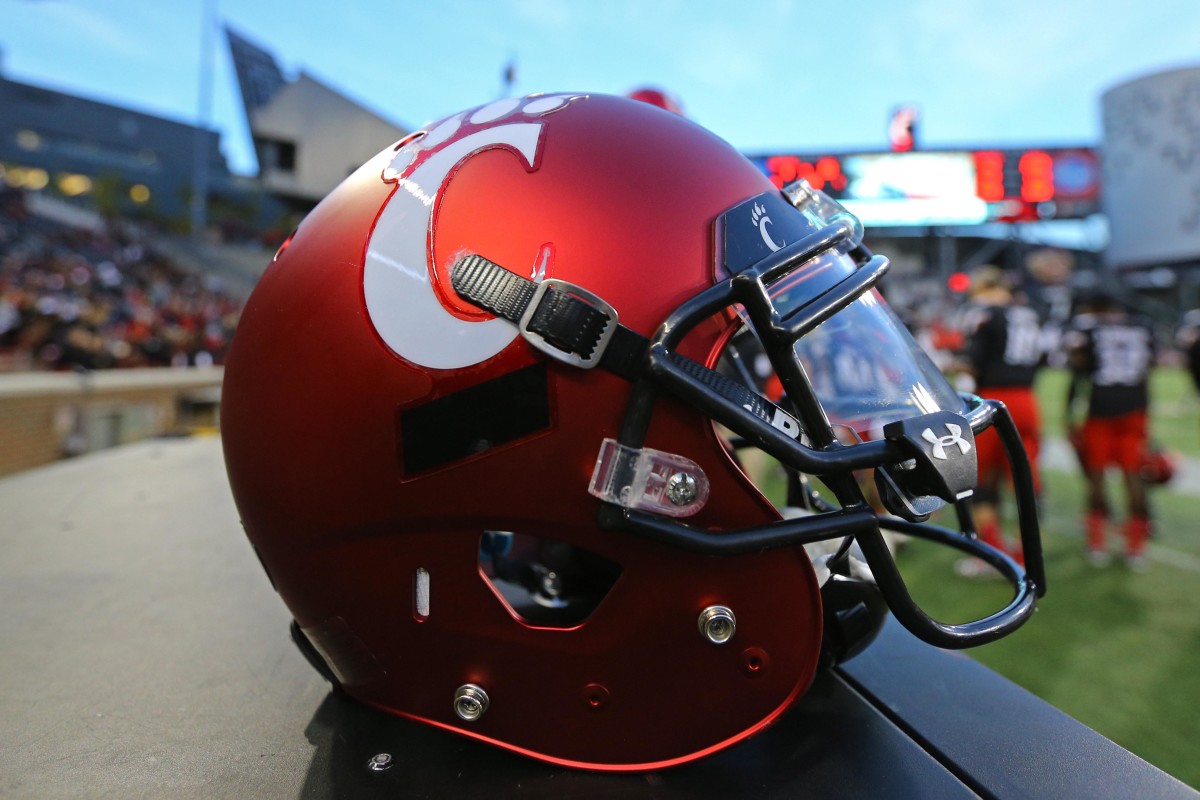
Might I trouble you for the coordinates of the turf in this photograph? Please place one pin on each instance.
(1117, 650)
(1175, 411)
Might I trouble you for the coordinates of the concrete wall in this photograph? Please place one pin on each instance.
(333, 136)
(45, 416)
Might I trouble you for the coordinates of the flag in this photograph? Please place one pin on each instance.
(510, 76)
(902, 130)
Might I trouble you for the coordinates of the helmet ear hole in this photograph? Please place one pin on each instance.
(546, 583)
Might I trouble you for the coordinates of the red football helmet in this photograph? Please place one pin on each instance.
(1158, 466)
(487, 415)
(657, 97)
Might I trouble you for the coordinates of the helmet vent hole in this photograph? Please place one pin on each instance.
(421, 594)
(545, 582)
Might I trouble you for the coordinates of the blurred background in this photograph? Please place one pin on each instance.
(152, 156)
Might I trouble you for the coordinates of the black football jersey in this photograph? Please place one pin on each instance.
(1004, 345)
(1115, 354)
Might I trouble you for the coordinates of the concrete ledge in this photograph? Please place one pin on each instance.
(54, 384)
(45, 416)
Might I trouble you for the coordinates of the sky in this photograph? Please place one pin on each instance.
(766, 75)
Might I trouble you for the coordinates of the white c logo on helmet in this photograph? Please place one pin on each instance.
(400, 297)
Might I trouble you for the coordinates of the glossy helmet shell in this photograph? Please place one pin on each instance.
(375, 427)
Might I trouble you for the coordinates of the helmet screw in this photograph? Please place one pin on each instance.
(470, 702)
(681, 488)
(551, 584)
(380, 763)
(717, 624)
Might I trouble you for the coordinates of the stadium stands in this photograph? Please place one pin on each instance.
(85, 298)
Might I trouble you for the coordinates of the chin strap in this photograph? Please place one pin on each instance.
(574, 326)
(564, 321)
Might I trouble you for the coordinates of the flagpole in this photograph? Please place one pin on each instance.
(200, 163)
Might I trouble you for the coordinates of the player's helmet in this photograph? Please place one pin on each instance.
(657, 97)
(486, 421)
(1157, 466)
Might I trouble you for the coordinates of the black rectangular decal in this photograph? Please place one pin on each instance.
(474, 420)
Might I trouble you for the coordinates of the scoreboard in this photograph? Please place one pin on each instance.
(951, 187)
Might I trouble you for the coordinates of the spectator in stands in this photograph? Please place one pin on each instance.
(1003, 350)
(1111, 354)
(77, 299)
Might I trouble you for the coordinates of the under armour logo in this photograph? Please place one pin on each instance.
(940, 443)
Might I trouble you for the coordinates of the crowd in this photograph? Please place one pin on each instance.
(79, 298)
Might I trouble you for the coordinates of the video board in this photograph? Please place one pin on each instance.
(951, 187)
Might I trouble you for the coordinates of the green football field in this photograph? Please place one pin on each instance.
(1117, 650)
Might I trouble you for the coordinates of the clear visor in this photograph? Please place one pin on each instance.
(867, 370)
(863, 364)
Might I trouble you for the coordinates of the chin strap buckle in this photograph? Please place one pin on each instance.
(562, 320)
(568, 323)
